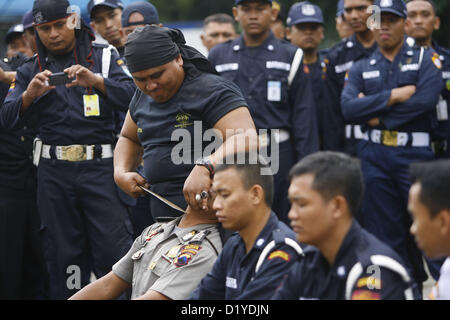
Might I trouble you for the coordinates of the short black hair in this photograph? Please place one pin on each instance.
(334, 174)
(253, 170)
(434, 178)
(429, 1)
(219, 18)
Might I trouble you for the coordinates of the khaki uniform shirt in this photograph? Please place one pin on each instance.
(170, 260)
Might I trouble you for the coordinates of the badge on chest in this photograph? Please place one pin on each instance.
(91, 105)
(274, 91)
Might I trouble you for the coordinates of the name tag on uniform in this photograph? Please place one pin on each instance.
(91, 105)
(278, 65)
(410, 67)
(371, 75)
(274, 91)
(231, 283)
(343, 67)
(442, 110)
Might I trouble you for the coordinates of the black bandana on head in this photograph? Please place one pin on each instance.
(149, 47)
(153, 46)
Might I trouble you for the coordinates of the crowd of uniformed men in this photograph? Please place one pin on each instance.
(87, 133)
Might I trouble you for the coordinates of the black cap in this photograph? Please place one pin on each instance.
(147, 9)
(15, 30)
(114, 4)
(45, 11)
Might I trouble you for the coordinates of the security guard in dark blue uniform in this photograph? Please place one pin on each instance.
(422, 21)
(270, 74)
(305, 30)
(235, 275)
(260, 254)
(442, 133)
(351, 277)
(343, 260)
(20, 244)
(85, 224)
(393, 95)
(341, 57)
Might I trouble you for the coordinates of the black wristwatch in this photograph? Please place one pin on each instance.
(204, 162)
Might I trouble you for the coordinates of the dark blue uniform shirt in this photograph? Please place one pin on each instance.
(262, 75)
(325, 118)
(376, 76)
(202, 100)
(312, 278)
(340, 59)
(16, 167)
(60, 111)
(442, 131)
(233, 276)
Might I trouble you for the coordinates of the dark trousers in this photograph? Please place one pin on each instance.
(22, 268)
(281, 165)
(385, 206)
(86, 226)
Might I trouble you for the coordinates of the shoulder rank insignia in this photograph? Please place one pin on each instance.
(281, 255)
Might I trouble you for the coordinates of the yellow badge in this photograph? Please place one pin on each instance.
(437, 61)
(365, 295)
(184, 120)
(280, 254)
(12, 87)
(369, 282)
(91, 105)
(120, 62)
(448, 85)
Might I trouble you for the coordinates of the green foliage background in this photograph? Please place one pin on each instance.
(188, 10)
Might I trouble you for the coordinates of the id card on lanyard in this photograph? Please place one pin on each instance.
(91, 104)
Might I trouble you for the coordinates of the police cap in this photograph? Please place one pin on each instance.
(15, 30)
(114, 4)
(397, 7)
(27, 20)
(147, 9)
(304, 12)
